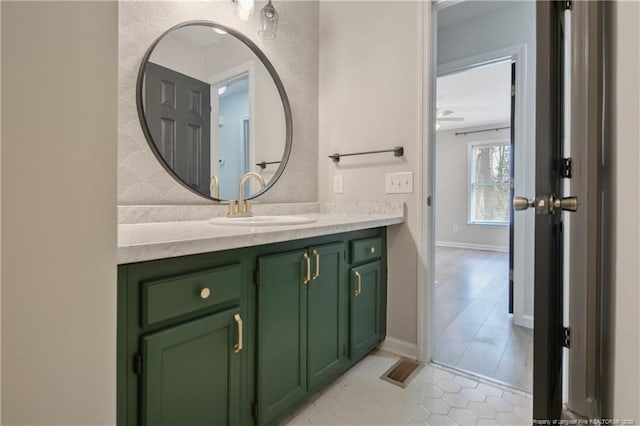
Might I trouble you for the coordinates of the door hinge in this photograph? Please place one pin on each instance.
(510, 274)
(137, 364)
(513, 90)
(565, 168)
(566, 337)
(256, 276)
(254, 410)
(568, 5)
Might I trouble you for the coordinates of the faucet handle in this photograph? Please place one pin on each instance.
(248, 204)
(233, 207)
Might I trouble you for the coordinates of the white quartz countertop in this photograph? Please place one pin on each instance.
(139, 242)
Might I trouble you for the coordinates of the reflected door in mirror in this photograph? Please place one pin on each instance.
(178, 115)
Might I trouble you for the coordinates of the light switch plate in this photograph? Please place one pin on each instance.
(399, 183)
(338, 184)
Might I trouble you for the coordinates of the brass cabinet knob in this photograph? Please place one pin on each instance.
(372, 250)
(205, 293)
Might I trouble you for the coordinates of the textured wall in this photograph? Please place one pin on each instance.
(294, 54)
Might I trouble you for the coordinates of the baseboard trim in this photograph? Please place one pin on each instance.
(469, 246)
(400, 347)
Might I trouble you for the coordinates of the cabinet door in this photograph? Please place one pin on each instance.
(325, 302)
(191, 374)
(364, 308)
(282, 333)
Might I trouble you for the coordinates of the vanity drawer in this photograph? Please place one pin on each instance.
(183, 294)
(370, 248)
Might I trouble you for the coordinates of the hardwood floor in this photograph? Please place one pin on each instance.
(473, 329)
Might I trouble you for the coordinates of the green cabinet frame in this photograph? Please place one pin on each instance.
(282, 339)
(301, 344)
(365, 306)
(326, 319)
(191, 373)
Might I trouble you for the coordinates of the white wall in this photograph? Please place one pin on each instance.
(370, 98)
(452, 192)
(503, 27)
(59, 110)
(294, 54)
(623, 341)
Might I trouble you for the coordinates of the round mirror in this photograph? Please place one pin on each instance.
(213, 108)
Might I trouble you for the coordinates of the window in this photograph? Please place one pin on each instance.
(489, 182)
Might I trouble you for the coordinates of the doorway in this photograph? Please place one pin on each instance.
(483, 49)
(474, 328)
(230, 141)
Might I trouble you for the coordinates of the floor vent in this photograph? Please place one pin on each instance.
(402, 372)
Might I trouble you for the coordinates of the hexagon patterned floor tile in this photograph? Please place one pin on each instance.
(437, 396)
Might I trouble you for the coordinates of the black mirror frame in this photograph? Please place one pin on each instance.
(276, 79)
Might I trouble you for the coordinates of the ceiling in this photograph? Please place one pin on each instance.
(198, 35)
(481, 95)
(453, 12)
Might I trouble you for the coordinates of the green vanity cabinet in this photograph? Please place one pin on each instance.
(300, 325)
(245, 336)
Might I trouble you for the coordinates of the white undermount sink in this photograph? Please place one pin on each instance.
(261, 220)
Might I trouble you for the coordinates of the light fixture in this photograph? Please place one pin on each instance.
(244, 8)
(268, 22)
(221, 90)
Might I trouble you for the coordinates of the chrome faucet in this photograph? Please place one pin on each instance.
(244, 206)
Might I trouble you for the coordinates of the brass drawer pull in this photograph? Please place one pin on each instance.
(308, 275)
(205, 293)
(316, 274)
(372, 249)
(238, 346)
(359, 290)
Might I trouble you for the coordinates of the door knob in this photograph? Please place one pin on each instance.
(545, 204)
(522, 203)
(569, 204)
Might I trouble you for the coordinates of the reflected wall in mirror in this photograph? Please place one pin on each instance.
(213, 108)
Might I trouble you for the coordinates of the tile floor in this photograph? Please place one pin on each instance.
(473, 329)
(436, 396)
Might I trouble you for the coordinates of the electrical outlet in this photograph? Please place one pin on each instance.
(399, 183)
(338, 184)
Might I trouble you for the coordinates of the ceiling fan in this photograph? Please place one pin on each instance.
(442, 115)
